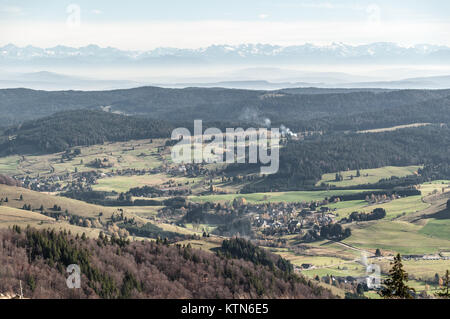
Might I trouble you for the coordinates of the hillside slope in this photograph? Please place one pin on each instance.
(36, 199)
(217, 104)
(114, 268)
(63, 130)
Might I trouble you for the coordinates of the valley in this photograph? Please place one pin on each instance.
(225, 158)
(341, 201)
(211, 207)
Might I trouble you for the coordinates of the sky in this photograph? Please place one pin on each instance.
(148, 24)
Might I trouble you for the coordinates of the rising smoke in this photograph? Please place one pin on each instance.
(286, 131)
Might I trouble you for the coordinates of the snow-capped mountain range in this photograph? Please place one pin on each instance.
(370, 53)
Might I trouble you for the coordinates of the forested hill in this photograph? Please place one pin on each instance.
(302, 163)
(18, 105)
(63, 130)
(321, 109)
(114, 268)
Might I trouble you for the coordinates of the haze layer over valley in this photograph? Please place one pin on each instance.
(247, 66)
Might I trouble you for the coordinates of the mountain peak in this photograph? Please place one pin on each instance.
(218, 53)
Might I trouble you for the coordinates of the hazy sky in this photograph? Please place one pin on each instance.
(146, 24)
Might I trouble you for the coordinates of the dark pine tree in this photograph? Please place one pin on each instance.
(378, 252)
(395, 285)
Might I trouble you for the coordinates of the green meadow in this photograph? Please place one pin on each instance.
(295, 196)
(394, 208)
(124, 183)
(9, 165)
(373, 175)
(395, 236)
(439, 228)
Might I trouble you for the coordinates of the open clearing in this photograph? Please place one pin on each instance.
(434, 187)
(9, 165)
(140, 154)
(394, 209)
(439, 228)
(296, 196)
(10, 216)
(36, 199)
(422, 269)
(394, 128)
(202, 244)
(373, 175)
(396, 236)
(122, 184)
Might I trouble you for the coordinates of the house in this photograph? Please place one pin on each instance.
(307, 266)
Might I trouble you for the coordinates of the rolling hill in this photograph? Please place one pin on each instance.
(63, 130)
(328, 111)
(36, 199)
(12, 216)
(117, 269)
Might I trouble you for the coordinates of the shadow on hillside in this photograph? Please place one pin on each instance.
(443, 214)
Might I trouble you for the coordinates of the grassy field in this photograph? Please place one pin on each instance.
(61, 226)
(10, 216)
(351, 269)
(124, 183)
(177, 229)
(373, 175)
(439, 228)
(139, 154)
(36, 199)
(423, 273)
(434, 187)
(143, 211)
(296, 196)
(350, 205)
(395, 236)
(202, 244)
(393, 208)
(9, 165)
(423, 270)
(318, 261)
(333, 249)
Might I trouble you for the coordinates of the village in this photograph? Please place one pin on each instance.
(280, 219)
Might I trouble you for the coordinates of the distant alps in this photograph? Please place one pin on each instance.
(382, 52)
